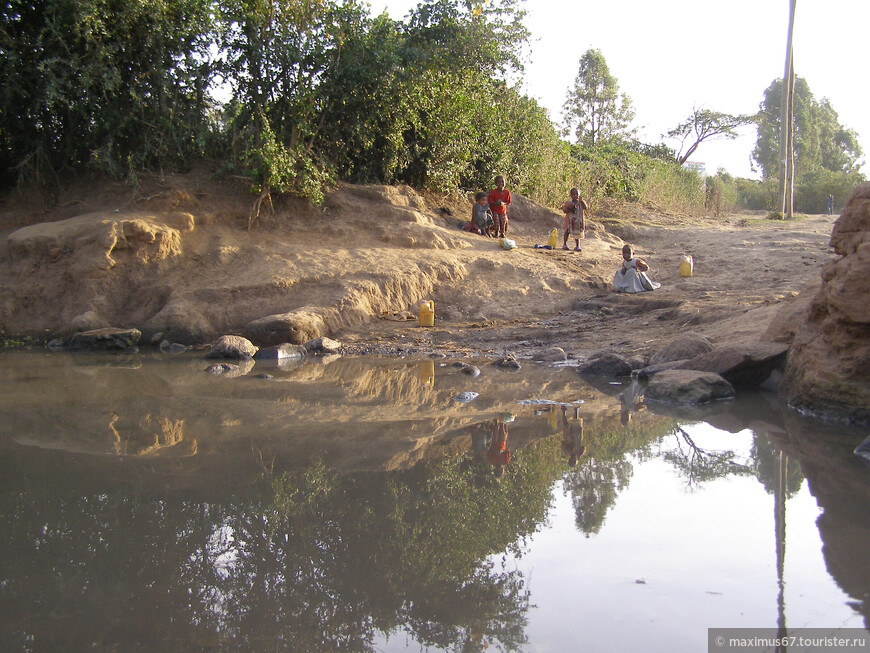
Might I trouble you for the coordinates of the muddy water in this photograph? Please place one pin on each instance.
(358, 505)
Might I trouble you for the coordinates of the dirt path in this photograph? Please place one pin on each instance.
(745, 271)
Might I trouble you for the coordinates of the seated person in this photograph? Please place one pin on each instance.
(631, 277)
(481, 217)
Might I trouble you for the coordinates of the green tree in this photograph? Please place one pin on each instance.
(704, 124)
(119, 85)
(280, 56)
(821, 142)
(595, 110)
(480, 36)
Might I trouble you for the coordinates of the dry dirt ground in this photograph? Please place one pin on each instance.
(193, 255)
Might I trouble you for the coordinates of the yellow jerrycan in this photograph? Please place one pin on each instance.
(687, 266)
(427, 314)
(553, 240)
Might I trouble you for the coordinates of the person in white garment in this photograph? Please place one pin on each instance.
(631, 277)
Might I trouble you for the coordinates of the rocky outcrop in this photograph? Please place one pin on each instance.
(95, 242)
(828, 367)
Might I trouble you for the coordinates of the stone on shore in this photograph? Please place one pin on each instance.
(744, 367)
(105, 339)
(606, 364)
(296, 327)
(688, 387)
(685, 346)
(285, 352)
(232, 347)
(553, 355)
(323, 346)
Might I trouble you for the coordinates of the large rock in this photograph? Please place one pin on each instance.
(232, 347)
(179, 321)
(685, 346)
(651, 370)
(746, 366)
(688, 387)
(828, 367)
(296, 327)
(105, 339)
(606, 364)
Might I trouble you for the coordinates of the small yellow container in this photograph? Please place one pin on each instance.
(427, 314)
(553, 240)
(687, 266)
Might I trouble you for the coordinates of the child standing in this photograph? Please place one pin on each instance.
(499, 200)
(575, 224)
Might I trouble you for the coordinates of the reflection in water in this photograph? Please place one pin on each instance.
(352, 506)
(572, 436)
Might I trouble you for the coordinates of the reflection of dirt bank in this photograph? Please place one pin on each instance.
(355, 414)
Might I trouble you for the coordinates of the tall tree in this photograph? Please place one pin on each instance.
(703, 125)
(595, 110)
(120, 85)
(820, 141)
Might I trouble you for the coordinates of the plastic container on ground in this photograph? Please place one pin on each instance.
(427, 314)
(687, 266)
(553, 240)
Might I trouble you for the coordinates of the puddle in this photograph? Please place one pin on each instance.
(356, 505)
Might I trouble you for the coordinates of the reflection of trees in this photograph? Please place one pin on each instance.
(766, 463)
(594, 488)
(320, 562)
(699, 465)
(607, 470)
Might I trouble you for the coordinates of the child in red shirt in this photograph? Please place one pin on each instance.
(499, 199)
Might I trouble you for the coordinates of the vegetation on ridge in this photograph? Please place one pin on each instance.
(298, 94)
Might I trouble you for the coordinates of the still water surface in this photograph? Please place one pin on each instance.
(358, 506)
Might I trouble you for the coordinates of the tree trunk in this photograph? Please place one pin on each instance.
(785, 145)
(789, 176)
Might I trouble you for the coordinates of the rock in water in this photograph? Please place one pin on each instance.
(105, 339)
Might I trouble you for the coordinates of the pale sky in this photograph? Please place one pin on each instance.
(671, 55)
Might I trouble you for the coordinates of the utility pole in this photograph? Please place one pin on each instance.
(786, 118)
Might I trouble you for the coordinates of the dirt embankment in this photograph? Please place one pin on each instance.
(174, 258)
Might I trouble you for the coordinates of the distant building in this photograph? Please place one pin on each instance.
(699, 168)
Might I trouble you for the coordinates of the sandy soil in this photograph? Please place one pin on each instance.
(752, 280)
(373, 252)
